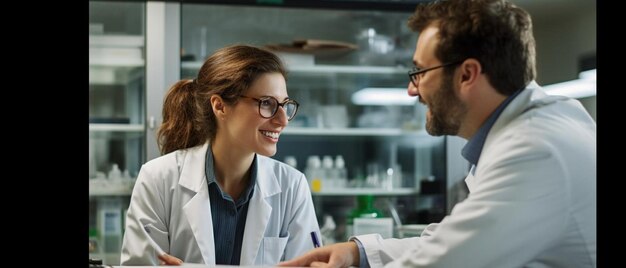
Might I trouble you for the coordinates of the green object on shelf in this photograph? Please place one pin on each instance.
(93, 232)
(93, 240)
(365, 209)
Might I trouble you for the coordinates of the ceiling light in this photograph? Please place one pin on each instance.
(383, 96)
(584, 86)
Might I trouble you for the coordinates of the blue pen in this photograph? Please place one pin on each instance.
(316, 242)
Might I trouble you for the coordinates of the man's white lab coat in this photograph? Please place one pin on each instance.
(532, 200)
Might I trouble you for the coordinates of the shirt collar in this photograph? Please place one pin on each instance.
(210, 174)
(209, 170)
(471, 151)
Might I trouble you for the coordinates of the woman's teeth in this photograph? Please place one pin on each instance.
(270, 134)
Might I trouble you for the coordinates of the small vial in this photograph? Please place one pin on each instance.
(115, 172)
(291, 160)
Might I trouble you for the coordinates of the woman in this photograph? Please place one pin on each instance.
(215, 197)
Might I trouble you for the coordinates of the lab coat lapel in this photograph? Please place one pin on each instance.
(198, 209)
(259, 212)
(469, 180)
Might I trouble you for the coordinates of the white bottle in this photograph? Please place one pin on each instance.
(329, 172)
(115, 172)
(291, 160)
(314, 173)
(328, 230)
(341, 174)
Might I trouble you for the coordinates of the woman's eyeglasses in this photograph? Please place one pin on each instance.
(269, 105)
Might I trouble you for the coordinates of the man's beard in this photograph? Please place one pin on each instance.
(446, 110)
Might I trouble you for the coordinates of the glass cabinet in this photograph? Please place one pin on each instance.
(117, 96)
(348, 70)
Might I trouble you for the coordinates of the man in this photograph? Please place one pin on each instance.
(533, 177)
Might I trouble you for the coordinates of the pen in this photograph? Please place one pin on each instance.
(316, 242)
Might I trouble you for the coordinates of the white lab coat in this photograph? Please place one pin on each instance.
(170, 209)
(532, 200)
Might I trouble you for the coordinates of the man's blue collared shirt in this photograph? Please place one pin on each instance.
(471, 151)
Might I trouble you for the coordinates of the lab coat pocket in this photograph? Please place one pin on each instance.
(159, 237)
(273, 249)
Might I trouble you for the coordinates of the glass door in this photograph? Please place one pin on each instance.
(117, 94)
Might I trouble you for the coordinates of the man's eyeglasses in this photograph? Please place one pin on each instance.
(269, 105)
(416, 73)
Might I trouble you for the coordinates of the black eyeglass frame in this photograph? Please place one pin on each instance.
(414, 72)
(278, 104)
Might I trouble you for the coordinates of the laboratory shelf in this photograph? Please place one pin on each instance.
(367, 191)
(116, 131)
(348, 69)
(304, 131)
(116, 40)
(325, 69)
(110, 192)
(116, 127)
(115, 71)
(116, 62)
(106, 187)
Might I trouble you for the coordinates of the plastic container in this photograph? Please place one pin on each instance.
(341, 173)
(291, 160)
(328, 230)
(329, 173)
(314, 173)
(115, 172)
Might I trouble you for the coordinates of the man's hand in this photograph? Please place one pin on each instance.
(167, 259)
(336, 255)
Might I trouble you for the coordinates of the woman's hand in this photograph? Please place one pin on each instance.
(167, 259)
(336, 255)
